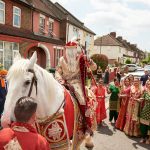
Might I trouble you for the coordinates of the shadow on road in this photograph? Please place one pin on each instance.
(104, 129)
(137, 143)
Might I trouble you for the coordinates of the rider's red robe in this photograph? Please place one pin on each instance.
(22, 137)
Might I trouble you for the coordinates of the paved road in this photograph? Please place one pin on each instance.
(108, 138)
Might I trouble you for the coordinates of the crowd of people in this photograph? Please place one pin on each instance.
(129, 104)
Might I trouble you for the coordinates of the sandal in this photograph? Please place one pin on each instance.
(142, 140)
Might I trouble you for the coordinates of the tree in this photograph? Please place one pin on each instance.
(128, 61)
(101, 60)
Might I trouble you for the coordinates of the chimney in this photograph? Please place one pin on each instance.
(119, 38)
(134, 45)
(125, 41)
(113, 34)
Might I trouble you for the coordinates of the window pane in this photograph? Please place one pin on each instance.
(2, 5)
(17, 11)
(15, 46)
(42, 22)
(1, 44)
(1, 57)
(1, 16)
(16, 20)
(7, 55)
(15, 53)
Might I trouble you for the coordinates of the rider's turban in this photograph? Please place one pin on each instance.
(71, 45)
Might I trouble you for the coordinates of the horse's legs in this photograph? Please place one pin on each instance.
(89, 141)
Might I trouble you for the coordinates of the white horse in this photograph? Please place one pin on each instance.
(48, 93)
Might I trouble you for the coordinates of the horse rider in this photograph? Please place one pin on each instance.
(71, 72)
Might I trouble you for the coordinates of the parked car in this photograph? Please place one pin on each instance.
(147, 67)
(138, 73)
(131, 67)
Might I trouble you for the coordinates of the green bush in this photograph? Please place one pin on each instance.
(101, 60)
(144, 61)
(128, 61)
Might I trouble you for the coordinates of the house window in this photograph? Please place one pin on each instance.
(76, 32)
(50, 28)
(15, 49)
(7, 52)
(2, 12)
(1, 52)
(16, 17)
(58, 53)
(42, 24)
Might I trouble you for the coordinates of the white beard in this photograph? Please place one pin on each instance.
(71, 55)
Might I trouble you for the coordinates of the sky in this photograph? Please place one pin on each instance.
(128, 18)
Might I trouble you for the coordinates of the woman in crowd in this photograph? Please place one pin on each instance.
(114, 100)
(100, 96)
(118, 74)
(124, 97)
(131, 78)
(99, 73)
(132, 121)
(145, 115)
(106, 76)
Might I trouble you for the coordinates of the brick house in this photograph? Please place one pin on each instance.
(27, 26)
(73, 27)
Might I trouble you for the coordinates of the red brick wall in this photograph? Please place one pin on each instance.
(26, 15)
(57, 28)
(56, 25)
(36, 17)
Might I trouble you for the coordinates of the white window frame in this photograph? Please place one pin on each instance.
(57, 55)
(2, 50)
(15, 51)
(50, 30)
(18, 26)
(42, 28)
(4, 11)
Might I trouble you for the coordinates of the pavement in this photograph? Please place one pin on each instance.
(107, 137)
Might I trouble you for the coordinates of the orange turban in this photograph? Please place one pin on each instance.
(3, 72)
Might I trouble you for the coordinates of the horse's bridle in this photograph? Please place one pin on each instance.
(34, 81)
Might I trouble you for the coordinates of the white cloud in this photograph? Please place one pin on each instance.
(129, 18)
(116, 16)
(147, 2)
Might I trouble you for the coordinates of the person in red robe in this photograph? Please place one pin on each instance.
(72, 72)
(100, 96)
(124, 97)
(22, 134)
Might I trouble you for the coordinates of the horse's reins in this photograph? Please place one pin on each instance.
(34, 81)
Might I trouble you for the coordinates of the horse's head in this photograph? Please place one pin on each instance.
(20, 77)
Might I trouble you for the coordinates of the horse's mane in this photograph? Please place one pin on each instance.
(51, 86)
